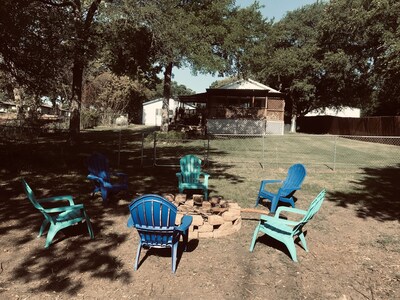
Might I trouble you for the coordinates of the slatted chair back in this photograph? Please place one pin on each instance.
(154, 218)
(295, 177)
(31, 196)
(312, 210)
(190, 168)
(98, 165)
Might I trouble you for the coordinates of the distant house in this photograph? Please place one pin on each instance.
(152, 111)
(242, 107)
(47, 111)
(7, 107)
(344, 112)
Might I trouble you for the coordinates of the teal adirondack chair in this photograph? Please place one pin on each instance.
(285, 230)
(190, 177)
(58, 217)
(288, 187)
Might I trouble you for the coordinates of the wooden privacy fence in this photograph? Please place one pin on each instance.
(369, 126)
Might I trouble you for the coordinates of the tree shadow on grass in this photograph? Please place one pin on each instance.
(376, 194)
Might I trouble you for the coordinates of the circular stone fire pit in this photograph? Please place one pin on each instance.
(212, 218)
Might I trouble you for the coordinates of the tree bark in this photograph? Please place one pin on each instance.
(18, 100)
(166, 96)
(293, 124)
(76, 101)
(82, 27)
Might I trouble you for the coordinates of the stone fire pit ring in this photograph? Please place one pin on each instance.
(212, 218)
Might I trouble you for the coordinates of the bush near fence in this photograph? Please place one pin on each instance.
(369, 126)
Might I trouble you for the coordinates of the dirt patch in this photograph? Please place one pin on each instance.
(349, 258)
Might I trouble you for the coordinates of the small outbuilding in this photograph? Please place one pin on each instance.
(152, 111)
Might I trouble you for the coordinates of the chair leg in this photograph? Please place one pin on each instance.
(138, 255)
(104, 194)
(185, 237)
(253, 241)
(274, 204)
(257, 201)
(292, 249)
(173, 254)
(50, 235)
(42, 228)
(303, 241)
(89, 225)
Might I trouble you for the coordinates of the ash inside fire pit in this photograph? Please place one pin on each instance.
(213, 218)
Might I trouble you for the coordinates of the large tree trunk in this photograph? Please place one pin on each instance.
(76, 101)
(82, 27)
(18, 100)
(166, 96)
(293, 124)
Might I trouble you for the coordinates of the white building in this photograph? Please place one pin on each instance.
(152, 111)
(345, 112)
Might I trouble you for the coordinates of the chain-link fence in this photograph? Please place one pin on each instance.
(236, 163)
(275, 151)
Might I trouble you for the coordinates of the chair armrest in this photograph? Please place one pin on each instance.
(130, 222)
(63, 208)
(270, 181)
(68, 198)
(205, 175)
(274, 220)
(96, 178)
(186, 221)
(289, 209)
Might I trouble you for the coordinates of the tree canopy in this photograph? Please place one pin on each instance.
(327, 54)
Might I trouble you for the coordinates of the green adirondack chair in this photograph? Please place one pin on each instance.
(285, 230)
(58, 217)
(189, 178)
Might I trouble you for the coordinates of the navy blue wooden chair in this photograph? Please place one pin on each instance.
(289, 186)
(100, 174)
(154, 218)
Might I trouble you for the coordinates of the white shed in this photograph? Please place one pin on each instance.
(344, 112)
(152, 111)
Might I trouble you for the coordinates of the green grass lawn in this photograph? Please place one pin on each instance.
(237, 164)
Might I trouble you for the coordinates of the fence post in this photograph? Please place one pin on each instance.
(334, 153)
(119, 147)
(154, 148)
(142, 151)
(263, 149)
(208, 149)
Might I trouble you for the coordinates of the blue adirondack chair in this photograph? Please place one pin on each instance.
(190, 177)
(154, 218)
(58, 217)
(289, 186)
(100, 174)
(285, 230)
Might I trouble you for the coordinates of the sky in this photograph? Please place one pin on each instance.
(272, 9)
